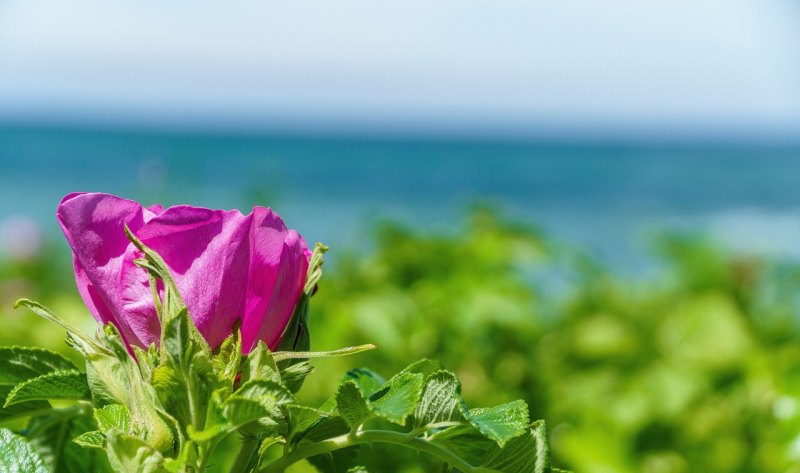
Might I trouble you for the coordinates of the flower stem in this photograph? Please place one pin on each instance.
(370, 436)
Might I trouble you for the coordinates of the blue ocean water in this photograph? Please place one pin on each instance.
(604, 196)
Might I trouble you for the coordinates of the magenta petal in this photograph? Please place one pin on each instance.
(207, 254)
(94, 227)
(270, 306)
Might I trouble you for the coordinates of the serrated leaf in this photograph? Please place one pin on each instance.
(66, 384)
(93, 439)
(113, 416)
(351, 403)
(441, 400)
(425, 367)
(368, 381)
(501, 423)
(398, 398)
(527, 453)
(22, 409)
(17, 455)
(337, 461)
(241, 411)
(258, 364)
(300, 418)
(293, 375)
(228, 359)
(129, 454)
(465, 441)
(258, 399)
(18, 364)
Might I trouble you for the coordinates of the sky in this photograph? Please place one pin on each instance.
(725, 67)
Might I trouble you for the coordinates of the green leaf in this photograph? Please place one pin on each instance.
(398, 398)
(368, 381)
(23, 409)
(501, 423)
(293, 375)
(66, 384)
(425, 367)
(351, 404)
(18, 364)
(259, 364)
(256, 400)
(228, 359)
(113, 416)
(465, 441)
(441, 400)
(242, 411)
(527, 453)
(52, 437)
(17, 455)
(129, 454)
(301, 418)
(93, 439)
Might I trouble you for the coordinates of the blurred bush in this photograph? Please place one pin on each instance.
(694, 369)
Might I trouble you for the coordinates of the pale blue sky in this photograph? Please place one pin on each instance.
(562, 66)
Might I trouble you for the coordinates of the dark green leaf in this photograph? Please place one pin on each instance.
(18, 364)
(368, 381)
(527, 453)
(293, 375)
(351, 403)
(67, 384)
(52, 438)
(398, 398)
(23, 409)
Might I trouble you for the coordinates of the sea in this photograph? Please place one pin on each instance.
(610, 198)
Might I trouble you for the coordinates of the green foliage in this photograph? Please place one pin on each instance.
(692, 366)
(17, 454)
(61, 384)
(170, 407)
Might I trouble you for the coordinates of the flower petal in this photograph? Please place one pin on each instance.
(207, 254)
(274, 289)
(94, 227)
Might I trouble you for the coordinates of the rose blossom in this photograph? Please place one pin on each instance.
(228, 267)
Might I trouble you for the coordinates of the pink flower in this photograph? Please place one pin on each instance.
(228, 267)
